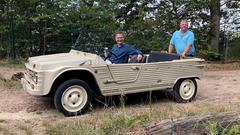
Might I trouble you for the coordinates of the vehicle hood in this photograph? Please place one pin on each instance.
(48, 62)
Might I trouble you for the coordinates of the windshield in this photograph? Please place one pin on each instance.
(92, 41)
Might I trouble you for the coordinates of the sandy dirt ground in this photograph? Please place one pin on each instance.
(17, 105)
(220, 86)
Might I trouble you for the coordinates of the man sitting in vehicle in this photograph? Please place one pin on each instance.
(120, 51)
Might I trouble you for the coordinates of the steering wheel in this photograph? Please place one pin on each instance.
(111, 54)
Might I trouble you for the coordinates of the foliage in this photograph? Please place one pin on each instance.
(209, 55)
(45, 27)
(216, 129)
(234, 130)
(234, 49)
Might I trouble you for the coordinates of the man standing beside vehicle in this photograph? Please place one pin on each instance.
(183, 41)
(120, 51)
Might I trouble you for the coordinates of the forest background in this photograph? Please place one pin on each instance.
(39, 27)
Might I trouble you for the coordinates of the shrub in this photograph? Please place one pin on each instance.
(209, 55)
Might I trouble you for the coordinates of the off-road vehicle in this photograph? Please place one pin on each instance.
(74, 78)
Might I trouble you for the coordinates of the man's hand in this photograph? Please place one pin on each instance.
(183, 55)
(139, 57)
(185, 51)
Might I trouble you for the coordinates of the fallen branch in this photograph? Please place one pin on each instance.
(193, 124)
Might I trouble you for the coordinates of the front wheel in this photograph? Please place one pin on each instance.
(73, 97)
(185, 90)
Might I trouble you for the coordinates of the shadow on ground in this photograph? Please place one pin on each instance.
(133, 99)
(144, 98)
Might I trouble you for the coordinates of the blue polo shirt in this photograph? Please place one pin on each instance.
(180, 42)
(122, 52)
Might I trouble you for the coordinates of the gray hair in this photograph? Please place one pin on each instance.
(119, 32)
(184, 20)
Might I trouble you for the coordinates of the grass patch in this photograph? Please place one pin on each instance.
(129, 120)
(4, 131)
(70, 128)
(118, 124)
(25, 128)
(18, 64)
(11, 84)
(216, 129)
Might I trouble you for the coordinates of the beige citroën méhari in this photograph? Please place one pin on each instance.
(73, 78)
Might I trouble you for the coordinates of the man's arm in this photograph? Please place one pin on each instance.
(170, 48)
(139, 57)
(186, 50)
(172, 42)
(189, 45)
(135, 51)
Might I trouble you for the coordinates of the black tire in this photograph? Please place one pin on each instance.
(73, 97)
(185, 90)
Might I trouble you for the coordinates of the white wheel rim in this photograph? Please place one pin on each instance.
(187, 89)
(74, 98)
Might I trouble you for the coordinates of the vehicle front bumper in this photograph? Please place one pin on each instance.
(31, 87)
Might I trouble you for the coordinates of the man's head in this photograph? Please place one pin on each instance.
(119, 37)
(184, 25)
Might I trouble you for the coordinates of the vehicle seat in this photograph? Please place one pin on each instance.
(133, 59)
(160, 57)
(126, 59)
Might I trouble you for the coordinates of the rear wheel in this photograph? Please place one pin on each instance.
(73, 97)
(185, 90)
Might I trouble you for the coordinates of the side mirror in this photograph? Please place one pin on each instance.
(105, 51)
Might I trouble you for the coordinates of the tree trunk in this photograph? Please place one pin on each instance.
(215, 25)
